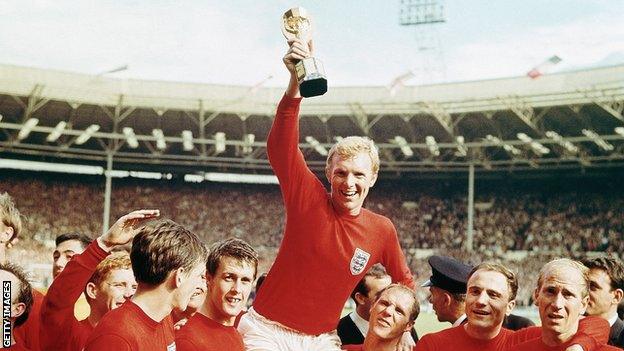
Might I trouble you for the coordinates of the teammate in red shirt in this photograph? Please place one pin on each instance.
(491, 293)
(230, 273)
(27, 333)
(561, 296)
(393, 314)
(107, 281)
(322, 230)
(169, 264)
(21, 298)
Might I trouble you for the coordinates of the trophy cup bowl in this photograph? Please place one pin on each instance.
(296, 23)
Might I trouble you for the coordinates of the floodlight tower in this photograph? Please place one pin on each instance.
(426, 16)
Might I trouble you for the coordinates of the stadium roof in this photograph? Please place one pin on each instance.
(565, 120)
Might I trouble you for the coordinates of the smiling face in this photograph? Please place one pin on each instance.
(562, 299)
(390, 315)
(189, 283)
(487, 302)
(350, 181)
(64, 253)
(113, 291)
(229, 289)
(374, 286)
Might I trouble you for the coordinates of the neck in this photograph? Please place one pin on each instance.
(362, 312)
(455, 313)
(609, 314)
(552, 338)
(155, 301)
(95, 315)
(209, 310)
(481, 333)
(373, 343)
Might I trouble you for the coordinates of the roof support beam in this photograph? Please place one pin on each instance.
(523, 110)
(441, 115)
(360, 117)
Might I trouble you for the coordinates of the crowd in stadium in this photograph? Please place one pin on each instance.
(545, 225)
(196, 251)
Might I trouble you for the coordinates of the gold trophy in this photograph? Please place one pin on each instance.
(310, 72)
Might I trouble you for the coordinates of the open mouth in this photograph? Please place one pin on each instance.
(383, 322)
(481, 312)
(554, 316)
(233, 300)
(348, 194)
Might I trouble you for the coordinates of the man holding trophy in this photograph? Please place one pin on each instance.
(330, 241)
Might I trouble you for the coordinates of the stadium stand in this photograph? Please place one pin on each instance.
(512, 216)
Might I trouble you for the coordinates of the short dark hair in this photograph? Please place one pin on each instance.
(260, 281)
(459, 297)
(161, 247)
(512, 280)
(415, 310)
(234, 248)
(25, 294)
(612, 266)
(84, 239)
(376, 271)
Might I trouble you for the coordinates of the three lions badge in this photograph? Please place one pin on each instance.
(359, 261)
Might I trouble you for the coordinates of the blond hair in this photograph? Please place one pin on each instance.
(10, 215)
(351, 146)
(116, 260)
(561, 263)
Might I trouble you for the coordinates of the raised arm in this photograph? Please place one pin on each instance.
(57, 311)
(283, 151)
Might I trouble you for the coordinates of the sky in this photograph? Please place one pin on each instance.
(360, 42)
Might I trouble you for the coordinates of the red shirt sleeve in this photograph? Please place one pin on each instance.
(525, 334)
(393, 260)
(57, 311)
(300, 187)
(592, 332)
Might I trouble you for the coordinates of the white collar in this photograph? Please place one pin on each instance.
(360, 323)
(459, 320)
(612, 319)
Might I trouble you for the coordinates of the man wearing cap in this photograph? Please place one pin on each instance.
(447, 286)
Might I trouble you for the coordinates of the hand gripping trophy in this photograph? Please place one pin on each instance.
(310, 72)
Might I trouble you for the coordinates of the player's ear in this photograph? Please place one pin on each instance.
(510, 306)
(18, 309)
(359, 298)
(6, 235)
(179, 276)
(91, 290)
(373, 179)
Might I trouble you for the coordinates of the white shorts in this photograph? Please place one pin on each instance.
(262, 334)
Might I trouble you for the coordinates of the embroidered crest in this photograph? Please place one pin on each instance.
(359, 261)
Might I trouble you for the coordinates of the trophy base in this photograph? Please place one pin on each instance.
(313, 87)
(312, 79)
